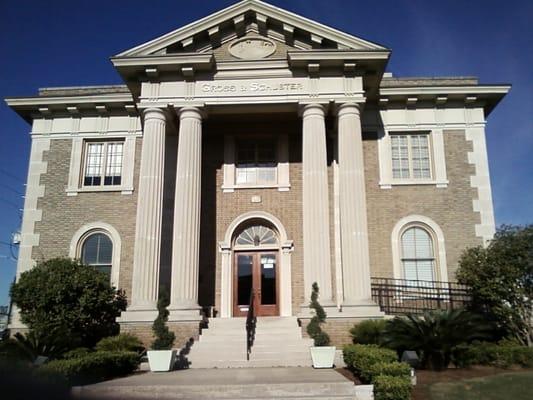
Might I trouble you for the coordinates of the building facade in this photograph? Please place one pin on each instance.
(256, 151)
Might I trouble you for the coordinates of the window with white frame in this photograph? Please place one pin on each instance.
(103, 163)
(97, 252)
(417, 254)
(256, 161)
(410, 155)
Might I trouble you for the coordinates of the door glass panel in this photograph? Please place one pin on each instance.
(244, 278)
(268, 279)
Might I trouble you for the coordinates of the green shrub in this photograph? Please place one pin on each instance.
(503, 354)
(164, 338)
(93, 367)
(361, 358)
(369, 331)
(122, 342)
(389, 368)
(392, 388)
(76, 353)
(435, 334)
(314, 329)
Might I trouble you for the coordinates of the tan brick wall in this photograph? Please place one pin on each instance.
(63, 215)
(338, 329)
(451, 208)
(184, 331)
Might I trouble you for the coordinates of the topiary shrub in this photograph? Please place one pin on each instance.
(369, 331)
(361, 358)
(91, 368)
(164, 337)
(314, 329)
(62, 299)
(392, 388)
(122, 342)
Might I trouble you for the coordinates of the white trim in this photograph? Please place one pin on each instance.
(437, 159)
(481, 181)
(94, 227)
(285, 247)
(75, 186)
(441, 267)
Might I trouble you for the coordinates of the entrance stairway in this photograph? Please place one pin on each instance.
(278, 343)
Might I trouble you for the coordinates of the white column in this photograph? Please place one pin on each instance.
(352, 199)
(146, 256)
(186, 233)
(317, 266)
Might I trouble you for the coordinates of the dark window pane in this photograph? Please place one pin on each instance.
(105, 269)
(105, 250)
(244, 278)
(268, 279)
(89, 253)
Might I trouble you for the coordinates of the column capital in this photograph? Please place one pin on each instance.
(312, 109)
(343, 109)
(154, 113)
(190, 112)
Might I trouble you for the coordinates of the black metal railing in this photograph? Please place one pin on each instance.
(400, 296)
(250, 325)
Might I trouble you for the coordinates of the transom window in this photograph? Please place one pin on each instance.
(256, 161)
(410, 156)
(103, 163)
(257, 235)
(97, 252)
(418, 258)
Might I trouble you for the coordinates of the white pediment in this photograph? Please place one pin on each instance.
(247, 18)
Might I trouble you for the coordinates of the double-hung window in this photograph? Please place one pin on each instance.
(410, 156)
(256, 161)
(103, 163)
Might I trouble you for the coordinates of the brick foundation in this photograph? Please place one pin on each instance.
(184, 331)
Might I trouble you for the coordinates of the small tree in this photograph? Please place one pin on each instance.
(61, 298)
(164, 337)
(501, 278)
(314, 328)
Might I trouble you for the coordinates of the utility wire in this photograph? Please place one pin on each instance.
(9, 174)
(11, 189)
(18, 207)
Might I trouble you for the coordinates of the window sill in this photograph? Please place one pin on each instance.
(413, 182)
(95, 189)
(232, 188)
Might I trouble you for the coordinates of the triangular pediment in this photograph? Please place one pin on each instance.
(250, 18)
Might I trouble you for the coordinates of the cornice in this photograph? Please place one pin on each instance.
(450, 90)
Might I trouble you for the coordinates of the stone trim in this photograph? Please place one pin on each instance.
(437, 236)
(481, 181)
(94, 227)
(285, 275)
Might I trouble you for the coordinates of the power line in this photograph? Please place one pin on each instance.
(9, 174)
(18, 207)
(11, 189)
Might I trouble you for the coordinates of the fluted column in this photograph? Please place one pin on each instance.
(352, 199)
(186, 231)
(146, 256)
(317, 265)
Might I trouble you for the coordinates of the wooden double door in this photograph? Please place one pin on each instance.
(256, 271)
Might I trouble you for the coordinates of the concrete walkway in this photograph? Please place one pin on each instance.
(243, 383)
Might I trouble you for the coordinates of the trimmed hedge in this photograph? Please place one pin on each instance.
(392, 388)
(361, 357)
(389, 368)
(76, 353)
(91, 368)
(369, 331)
(503, 354)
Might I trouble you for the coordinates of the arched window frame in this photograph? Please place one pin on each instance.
(249, 224)
(98, 227)
(437, 237)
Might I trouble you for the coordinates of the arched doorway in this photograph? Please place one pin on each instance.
(256, 247)
(255, 270)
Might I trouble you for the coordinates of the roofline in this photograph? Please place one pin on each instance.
(455, 89)
(235, 10)
(15, 102)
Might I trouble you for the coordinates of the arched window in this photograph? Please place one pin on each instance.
(418, 255)
(97, 251)
(257, 235)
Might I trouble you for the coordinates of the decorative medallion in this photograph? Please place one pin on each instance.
(252, 48)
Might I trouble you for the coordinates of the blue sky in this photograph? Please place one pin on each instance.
(68, 43)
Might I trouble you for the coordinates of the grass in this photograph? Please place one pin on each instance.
(516, 386)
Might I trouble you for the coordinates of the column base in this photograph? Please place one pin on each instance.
(133, 315)
(354, 309)
(184, 312)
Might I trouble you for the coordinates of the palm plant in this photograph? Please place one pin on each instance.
(434, 334)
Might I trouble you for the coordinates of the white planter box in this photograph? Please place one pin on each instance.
(161, 360)
(323, 356)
